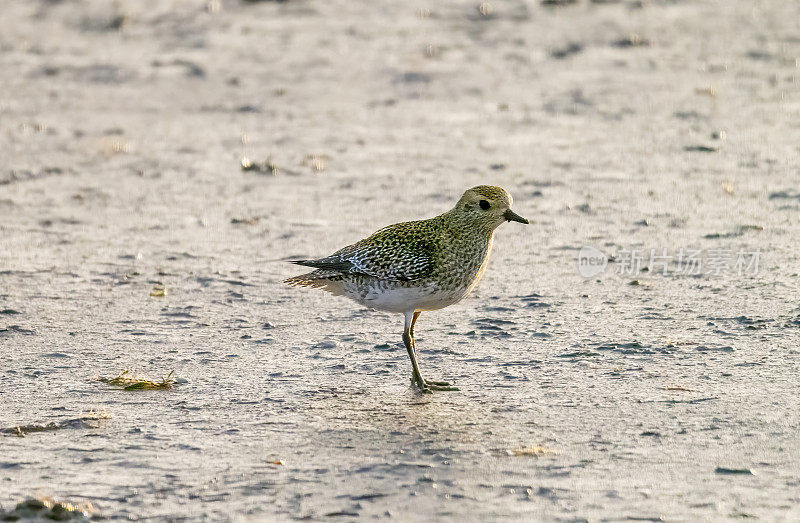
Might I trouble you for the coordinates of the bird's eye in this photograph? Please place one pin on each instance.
(484, 205)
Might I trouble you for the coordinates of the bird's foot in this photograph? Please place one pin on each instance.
(439, 385)
(428, 386)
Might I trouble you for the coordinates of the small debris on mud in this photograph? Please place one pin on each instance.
(566, 51)
(632, 40)
(129, 382)
(265, 167)
(315, 161)
(706, 91)
(701, 148)
(532, 450)
(743, 472)
(558, 3)
(246, 221)
(48, 509)
(91, 420)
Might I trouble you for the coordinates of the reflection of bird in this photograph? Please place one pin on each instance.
(417, 266)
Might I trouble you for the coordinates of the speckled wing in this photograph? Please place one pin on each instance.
(400, 252)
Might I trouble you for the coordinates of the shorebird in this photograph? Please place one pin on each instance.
(417, 266)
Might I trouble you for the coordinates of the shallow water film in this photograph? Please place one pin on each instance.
(633, 354)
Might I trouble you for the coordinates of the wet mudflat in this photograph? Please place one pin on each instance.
(159, 157)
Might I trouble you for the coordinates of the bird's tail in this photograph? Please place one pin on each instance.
(320, 279)
(305, 280)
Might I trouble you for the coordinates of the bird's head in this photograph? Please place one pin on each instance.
(487, 206)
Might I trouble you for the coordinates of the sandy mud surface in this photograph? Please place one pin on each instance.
(132, 238)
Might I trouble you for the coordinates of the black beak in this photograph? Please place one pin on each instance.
(511, 216)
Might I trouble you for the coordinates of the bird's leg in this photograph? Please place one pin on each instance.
(414, 322)
(414, 346)
(408, 340)
(416, 376)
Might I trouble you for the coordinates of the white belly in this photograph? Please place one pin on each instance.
(402, 299)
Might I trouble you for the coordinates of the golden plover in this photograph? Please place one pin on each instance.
(417, 266)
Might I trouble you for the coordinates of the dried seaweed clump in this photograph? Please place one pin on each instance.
(129, 382)
(43, 509)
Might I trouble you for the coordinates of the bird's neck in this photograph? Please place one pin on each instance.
(475, 237)
(469, 228)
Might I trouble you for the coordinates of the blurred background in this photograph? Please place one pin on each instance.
(160, 156)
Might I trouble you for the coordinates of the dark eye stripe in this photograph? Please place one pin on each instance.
(484, 205)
